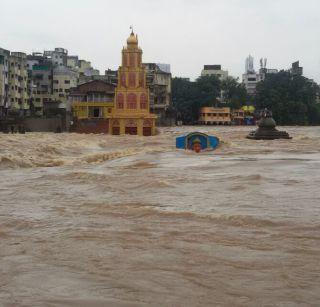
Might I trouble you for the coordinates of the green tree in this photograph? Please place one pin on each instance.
(208, 89)
(292, 99)
(234, 93)
(188, 97)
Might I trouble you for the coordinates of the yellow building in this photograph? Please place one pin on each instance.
(238, 117)
(215, 116)
(132, 106)
(92, 106)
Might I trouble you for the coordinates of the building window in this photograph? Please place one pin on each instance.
(143, 101)
(56, 81)
(38, 77)
(120, 101)
(123, 80)
(132, 101)
(66, 81)
(95, 112)
(132, 79)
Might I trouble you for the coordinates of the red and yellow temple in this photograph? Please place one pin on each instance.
(132, 109)
(130, 112)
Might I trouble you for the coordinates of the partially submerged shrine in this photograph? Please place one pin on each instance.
(267, 129)
(197, 141)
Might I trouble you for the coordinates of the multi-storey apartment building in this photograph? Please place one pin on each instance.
(159, 84)
(64, 78)
(58, 56)
(40, 71)
(251, 78)
(18, 83)
(73, 61)
(4, 80)
(214, 70)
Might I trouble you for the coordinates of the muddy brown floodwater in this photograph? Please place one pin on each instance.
(97, 220)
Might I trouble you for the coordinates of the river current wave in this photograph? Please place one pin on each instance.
(98, 220)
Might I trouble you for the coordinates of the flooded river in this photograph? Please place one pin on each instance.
(96, 220)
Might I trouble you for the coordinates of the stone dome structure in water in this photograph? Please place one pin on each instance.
(267, 129)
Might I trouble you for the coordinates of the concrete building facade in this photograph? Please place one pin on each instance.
(92, 105)
(214, 70)
(159, 84)
(215, 116)
(40, 72)
(18, 83)
(4, 81)
(251, 78)
(64, 79)
(58, 56)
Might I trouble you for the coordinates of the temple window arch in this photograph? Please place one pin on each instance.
(123, 80)
(115, 123)
(120, 101)
(147, 123)
(132, 79)
(143, 101)
(132, 101)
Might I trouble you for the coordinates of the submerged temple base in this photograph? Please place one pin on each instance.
(267, 129)
(268, 134)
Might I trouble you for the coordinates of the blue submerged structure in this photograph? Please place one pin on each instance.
(197, 141)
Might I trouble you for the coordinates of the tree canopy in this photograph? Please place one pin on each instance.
(292, 99)
(234, 93)
(189, 97)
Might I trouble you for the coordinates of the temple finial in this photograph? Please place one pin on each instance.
(131, 28)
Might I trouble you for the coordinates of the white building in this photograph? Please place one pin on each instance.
(58, 56)
(64, 78)
(251, 78)
(214, 70)
(250, 81)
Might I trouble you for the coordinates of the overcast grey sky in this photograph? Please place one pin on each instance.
(184, 33)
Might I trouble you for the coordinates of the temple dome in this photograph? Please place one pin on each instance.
(132, 40)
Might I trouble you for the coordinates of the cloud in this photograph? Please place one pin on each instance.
(187, 34)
